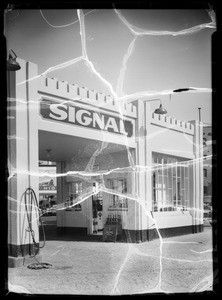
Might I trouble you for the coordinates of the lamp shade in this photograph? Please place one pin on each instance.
(160, 110)
(12, 64)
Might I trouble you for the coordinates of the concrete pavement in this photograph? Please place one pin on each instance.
(171, 265)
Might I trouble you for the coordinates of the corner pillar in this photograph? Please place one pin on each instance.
(22, 104)
(198, 177)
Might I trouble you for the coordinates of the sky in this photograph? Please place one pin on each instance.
(50, 37)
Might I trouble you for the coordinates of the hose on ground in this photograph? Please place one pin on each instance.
(31, 202)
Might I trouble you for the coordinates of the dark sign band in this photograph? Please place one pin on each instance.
(84, 117)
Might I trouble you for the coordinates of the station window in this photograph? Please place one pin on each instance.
(171, 183)
(119, 188)
(205, 173)
(75, 190)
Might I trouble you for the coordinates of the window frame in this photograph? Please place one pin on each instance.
(114, 199)
(73, 193)
(173, 191)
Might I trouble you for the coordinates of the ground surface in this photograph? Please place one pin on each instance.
(178, 264)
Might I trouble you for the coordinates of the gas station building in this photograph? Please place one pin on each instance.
(143, 168)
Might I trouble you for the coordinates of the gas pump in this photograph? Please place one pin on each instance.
(95, 214)
(100, 212)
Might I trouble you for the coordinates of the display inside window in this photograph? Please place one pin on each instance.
(75, 190)
(171, 179)
(119, 188)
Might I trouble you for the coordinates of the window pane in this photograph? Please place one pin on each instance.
(165, 189)
(171, 183)
(182, 171)
(170, 195)
(154, 158)
(182, 178)
(178, 171)
(182, 197)
(170, 173)
(174, 171)
(165, 167)
(174, 192)
(186, 189)
(120, 186)
(186, 171)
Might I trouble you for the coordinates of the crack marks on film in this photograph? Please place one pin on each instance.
(118, 95)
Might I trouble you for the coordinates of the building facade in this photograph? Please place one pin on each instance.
(114, 161)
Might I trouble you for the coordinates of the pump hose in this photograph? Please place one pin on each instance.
(30, 194)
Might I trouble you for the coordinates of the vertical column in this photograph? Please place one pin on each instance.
(59, 182)
(141, 162)
(89, 215)
(61, 217)
(133, 178)
(23, 162)
(201, 197)
(148, 154)
(32, 117)
(192, 184)
(198, 176)
(12, 180)
(149, 163)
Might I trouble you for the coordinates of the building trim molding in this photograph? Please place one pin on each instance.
(22, 250)
(137, 236)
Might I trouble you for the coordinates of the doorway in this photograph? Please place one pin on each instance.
(97, 213)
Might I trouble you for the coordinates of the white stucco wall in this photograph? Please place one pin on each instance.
(166, 135)
(172, 219)
(23, 159)
(72, 218)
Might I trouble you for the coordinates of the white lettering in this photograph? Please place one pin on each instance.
(86, 118)
(98, 120)
(83, 120)
(72, 115)
(122, 128)
(55, 108)
(111, 123)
